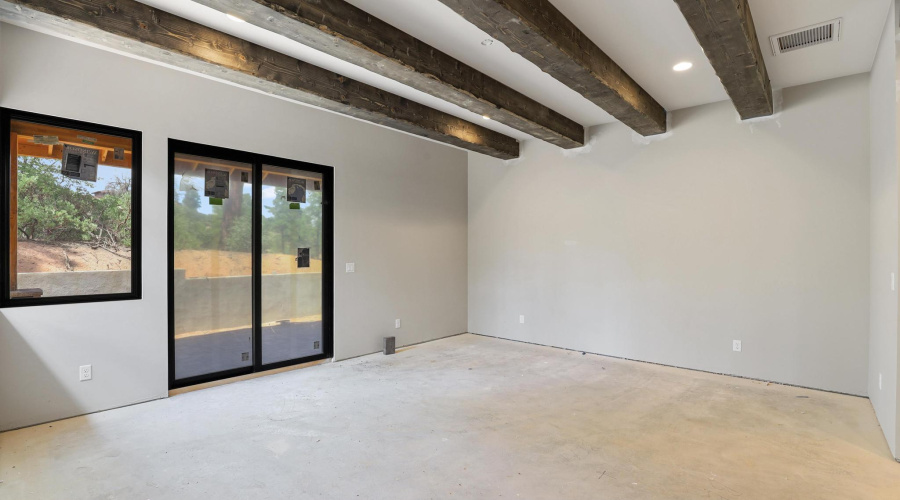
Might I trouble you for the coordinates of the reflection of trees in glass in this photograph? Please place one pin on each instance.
(239, 231)
(286, 229)
(192, 199)
(194, 229)
(230, 226)
(52, 207)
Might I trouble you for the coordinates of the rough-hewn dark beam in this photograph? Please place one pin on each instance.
(539, 32)
(135, 28)
(350, 34)
(725, 30)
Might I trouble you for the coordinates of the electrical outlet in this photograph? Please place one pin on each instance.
(84, 373)
(351, 267)
(315, 344)
(396, 323)
(736, 345)
(522, 318)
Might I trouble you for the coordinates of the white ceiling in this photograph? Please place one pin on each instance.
(645, 37)
(862, 27)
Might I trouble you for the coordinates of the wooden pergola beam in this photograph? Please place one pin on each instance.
(539, 32)
(135, 28)
(726, 32)
(350, 34)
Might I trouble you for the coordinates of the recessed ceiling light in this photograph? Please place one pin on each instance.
(234, 18)
(486, 117)
(683, 66)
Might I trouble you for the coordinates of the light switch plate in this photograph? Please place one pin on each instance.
(396, 323)
(522, 318)
(736, 345)
(351, 267)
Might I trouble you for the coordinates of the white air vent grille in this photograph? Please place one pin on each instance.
(806, 37)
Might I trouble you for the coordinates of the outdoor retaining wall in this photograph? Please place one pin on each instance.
(77, 282)
(201, 304)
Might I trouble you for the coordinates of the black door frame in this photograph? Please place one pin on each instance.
(257, 161)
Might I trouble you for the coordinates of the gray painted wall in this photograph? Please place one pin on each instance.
(667, 252)
(400, 216)
(885, 234)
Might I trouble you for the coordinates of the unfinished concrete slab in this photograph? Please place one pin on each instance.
(465, 417)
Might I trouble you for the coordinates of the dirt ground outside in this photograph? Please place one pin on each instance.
(218, 263)
(45, 257)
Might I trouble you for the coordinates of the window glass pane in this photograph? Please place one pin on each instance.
(71, 212)
(291, 264)
(213, 243)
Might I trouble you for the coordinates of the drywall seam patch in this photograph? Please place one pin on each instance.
(594, 138)
(645, 140)
(777, 108)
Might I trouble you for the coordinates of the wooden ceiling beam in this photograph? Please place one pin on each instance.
(132, 27)
(350, 34)
(539, 32)
(726, 32)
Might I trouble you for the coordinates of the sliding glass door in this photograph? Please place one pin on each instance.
(213, 267)
(291, 264)
(249, 263)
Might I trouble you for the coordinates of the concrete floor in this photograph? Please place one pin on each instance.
(465, 417)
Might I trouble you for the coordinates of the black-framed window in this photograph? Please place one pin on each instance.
(71, 211)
